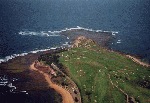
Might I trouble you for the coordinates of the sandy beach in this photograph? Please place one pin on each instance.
(66, 96)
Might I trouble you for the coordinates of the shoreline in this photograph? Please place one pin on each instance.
(58, 90)
(53, 49)
(103, 60)
(138, 61)
(66, 96)
(101, 37)
(77, 31)
(134, 58)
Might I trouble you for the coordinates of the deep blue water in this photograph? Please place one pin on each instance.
(131, 18)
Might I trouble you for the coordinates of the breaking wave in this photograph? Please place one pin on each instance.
(64, 45)
(57, 33)
(48, 34)
(22, 54)
(7, 58)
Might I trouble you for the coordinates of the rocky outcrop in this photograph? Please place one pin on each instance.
(82, 41)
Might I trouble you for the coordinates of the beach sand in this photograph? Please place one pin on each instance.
(66, 96)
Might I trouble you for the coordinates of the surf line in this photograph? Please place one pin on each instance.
(66, 96)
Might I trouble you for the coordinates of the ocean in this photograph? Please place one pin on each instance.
(130, 18)
(29, 26)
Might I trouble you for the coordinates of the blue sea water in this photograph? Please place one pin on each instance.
(131, 18)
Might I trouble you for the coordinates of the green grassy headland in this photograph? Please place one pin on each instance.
(105, 76)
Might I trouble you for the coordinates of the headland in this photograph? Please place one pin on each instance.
(87, 71)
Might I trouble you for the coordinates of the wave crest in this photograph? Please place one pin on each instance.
(57, 33)
(7, 58)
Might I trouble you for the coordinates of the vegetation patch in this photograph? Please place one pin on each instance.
(106, 76)
(101, 75)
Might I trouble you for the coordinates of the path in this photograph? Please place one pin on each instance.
(138, 61)
(66, 96)
(127, 96)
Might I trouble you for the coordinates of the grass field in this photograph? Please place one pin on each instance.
(105, 76)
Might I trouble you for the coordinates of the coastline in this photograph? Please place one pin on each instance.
(101, 36)
(138, 61)
(31, 82)
(134, 58)
(67, 98)
(121, 70)
(31, 57)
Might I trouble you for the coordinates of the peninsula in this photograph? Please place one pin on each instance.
(87, 72)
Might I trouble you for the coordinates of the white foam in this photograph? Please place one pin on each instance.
(42, 33)
(67, 37)
(2, 60)
(114, 32)
(98, 30)
(34, 51)
(54, 32)
(53, 48)
(11, 57)
(41, 50)
(23, 54)
(47, 34)
(57, 33)
(66, 44)
(106, 31)
(54, 35)
(118, 42)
